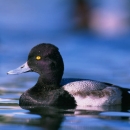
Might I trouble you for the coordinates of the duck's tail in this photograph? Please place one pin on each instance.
(125, 97)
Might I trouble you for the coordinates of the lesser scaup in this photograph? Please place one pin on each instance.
(46, 60)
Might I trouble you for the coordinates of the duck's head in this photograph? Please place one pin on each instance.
(45, 59)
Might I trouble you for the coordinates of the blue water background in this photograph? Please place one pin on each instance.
(86, 55)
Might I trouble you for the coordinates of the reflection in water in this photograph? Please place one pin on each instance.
(39, 117)
(51, 118)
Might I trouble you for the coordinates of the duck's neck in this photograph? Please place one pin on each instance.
(48, 82)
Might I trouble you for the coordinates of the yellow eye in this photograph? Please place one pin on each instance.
(38, 57)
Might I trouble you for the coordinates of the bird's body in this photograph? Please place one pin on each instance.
(51, 89)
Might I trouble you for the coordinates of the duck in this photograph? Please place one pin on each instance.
(53, 90)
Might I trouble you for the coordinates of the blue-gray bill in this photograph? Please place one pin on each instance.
(22, 69)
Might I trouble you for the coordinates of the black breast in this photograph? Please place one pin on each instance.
(56, 97)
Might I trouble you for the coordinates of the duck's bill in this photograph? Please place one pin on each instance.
(22, 69)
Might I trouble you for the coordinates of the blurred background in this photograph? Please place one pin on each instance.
(93, 37)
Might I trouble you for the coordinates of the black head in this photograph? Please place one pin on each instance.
(46, 60)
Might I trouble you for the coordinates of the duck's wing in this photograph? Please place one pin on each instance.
(82, 85)
(91, 92)
(112, 85)
(94, 93)
(87, 85)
